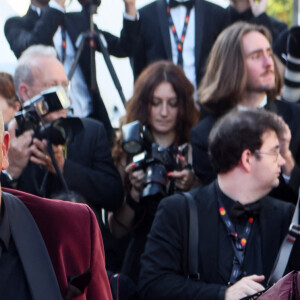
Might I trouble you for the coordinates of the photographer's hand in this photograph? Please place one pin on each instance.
(40, 155)
(184, 179)
(245, 287)
(19, 150)
(285, 152)
(136, 179)
(130, 8)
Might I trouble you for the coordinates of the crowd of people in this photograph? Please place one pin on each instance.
(211, 115)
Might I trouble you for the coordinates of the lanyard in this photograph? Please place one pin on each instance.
(239, 242)
(63, 43)
(179, 42)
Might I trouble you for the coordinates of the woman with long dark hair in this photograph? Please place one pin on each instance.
(163, 102)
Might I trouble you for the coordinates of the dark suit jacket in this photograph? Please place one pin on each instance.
(201, 163)
(154, 39)
(275, 26)
(165, 260)
(56, 242)
(89, 170)
(22, 32)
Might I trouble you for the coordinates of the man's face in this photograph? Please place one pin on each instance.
(267, 162)
(259, 62)
(47, 72)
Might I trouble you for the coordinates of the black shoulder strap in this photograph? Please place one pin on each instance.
(286, 247)
(193, 237)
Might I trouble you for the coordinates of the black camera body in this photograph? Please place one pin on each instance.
(155, 160)
(30, 117)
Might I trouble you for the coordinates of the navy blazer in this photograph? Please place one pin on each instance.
(155, 42)
(164, 264)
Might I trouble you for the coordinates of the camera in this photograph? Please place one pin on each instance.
(30, 117)
(155, 160)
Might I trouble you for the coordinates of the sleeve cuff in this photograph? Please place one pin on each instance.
(131, 18)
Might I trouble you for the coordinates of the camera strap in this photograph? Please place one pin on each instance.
(63, 42)
(286, 247)
(193, 250)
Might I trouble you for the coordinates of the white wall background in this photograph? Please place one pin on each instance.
(109, 17)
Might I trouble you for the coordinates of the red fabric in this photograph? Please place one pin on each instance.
(287, 288)
(73, 239)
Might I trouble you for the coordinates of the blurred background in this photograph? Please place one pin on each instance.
(109, 18)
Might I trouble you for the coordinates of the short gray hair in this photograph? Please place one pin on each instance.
(23, 72)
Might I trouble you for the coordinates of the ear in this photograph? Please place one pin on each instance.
(4, 149)
(24, 92)
(246, 160)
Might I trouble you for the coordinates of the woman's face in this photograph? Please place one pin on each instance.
(7, 110)
(163, 109)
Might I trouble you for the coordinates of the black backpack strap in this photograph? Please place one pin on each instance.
(286, 247)
(193, 237)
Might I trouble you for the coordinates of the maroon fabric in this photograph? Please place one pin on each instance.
(73, 239)
(287, 288)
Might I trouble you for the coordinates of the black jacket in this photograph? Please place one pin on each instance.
(201, 163)
(22, 32)
(154, 39)
(89, 170)
(165, 260)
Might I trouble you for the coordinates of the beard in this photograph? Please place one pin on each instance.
(260, 86)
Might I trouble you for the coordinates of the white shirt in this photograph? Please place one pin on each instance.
(81, 100)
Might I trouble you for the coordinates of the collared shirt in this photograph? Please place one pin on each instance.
(81, 99)
(188, 53)
(13, 282)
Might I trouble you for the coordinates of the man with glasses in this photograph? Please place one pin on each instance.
(241, 73)
(85, 161)
(240, 227)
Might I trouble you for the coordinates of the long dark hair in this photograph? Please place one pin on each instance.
(225, 80)
(138, 106)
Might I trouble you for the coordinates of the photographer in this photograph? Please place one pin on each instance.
(9, 101)
(47, 23)
(163, 102)
(85, 161)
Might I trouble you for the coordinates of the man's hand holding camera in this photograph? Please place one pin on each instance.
(41, 156)
(19, 150)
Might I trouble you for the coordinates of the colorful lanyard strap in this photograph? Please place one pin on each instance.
(239, 242)
(179, 42)
(63, 44)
